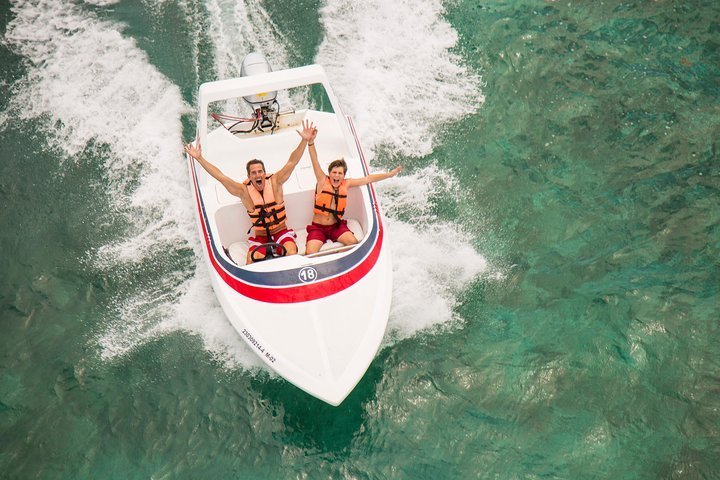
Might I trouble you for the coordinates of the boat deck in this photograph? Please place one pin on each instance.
(230, 153)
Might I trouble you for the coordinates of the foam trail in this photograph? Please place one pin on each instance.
(101, 3)
(432, 260)
(392, 68)
(239, 28)
(83, 79)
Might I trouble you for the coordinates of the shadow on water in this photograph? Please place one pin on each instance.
(311, 423)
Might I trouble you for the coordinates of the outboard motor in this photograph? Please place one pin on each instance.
(264, 104)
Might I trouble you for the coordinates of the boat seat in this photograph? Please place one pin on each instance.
(238, 250)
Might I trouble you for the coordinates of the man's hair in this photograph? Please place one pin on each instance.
(253, 162)
(338, 163)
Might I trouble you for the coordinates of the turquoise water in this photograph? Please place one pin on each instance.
(555, 237)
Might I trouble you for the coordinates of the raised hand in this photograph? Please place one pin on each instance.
(396, 170)
(194, 152)
(309, 131)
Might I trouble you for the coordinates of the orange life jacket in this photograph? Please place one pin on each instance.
(329, 196)
(267, 213)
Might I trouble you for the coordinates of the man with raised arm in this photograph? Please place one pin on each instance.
(331, 198)
(262, 196)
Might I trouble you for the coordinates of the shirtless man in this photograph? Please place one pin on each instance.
(331, 198)
(262, 196)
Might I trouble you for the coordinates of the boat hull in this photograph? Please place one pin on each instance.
(316, 320)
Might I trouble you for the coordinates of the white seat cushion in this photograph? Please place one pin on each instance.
(238, 252)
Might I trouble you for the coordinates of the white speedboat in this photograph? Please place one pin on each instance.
(317, 320)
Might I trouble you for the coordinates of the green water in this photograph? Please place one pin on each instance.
(589, 179)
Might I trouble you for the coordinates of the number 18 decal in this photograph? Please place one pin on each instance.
(307, 274)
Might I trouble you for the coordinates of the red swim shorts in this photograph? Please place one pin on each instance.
(315, 231)
(283, 236)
